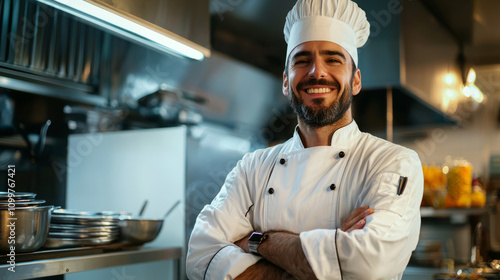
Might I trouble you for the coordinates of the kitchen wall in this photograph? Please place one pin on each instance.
(475, 139)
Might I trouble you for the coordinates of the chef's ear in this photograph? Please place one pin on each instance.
(356, 82)
(285, 84)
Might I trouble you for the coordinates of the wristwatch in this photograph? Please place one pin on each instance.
(255, 239)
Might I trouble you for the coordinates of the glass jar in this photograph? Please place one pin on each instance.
(459, 184)
(434, 186)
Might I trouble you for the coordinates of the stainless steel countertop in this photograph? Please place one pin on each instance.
(64, 265)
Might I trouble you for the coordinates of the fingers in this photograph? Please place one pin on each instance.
(356, 220)
(358, 225)
(354, 217)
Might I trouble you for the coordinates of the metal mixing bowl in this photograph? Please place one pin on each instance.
(139, 231)
(31, 228)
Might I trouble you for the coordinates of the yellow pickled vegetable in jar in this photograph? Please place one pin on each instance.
(433, 177)
(459, 187)
(478, 197)
(434, 186)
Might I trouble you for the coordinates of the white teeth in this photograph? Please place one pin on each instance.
(318, 90)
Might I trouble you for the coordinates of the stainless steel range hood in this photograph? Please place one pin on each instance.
(179, 27)
(411, 51)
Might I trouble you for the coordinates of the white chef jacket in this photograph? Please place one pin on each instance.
(311, 191)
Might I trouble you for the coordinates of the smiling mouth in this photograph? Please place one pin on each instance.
(318, 90)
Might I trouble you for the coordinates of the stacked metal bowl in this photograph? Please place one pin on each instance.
(73, 228)
(24, 222)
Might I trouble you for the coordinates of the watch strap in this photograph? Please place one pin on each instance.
(254, 241)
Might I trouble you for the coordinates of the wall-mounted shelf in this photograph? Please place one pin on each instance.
(456, 215)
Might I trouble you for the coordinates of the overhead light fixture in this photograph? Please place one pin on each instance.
(476, 93)
(470, 89)
(101, 14)
(471, 76)
(466, 91)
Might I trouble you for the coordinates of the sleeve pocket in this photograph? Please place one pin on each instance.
(385, 197)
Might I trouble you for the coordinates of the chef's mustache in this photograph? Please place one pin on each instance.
(316, 82)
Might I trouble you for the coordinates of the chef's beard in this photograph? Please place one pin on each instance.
(322, 116)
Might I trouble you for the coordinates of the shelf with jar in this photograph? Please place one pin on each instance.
(453, 188)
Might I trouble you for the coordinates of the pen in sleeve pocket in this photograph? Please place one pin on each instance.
(402, 185)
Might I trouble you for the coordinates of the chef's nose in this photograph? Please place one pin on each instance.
(318, 69)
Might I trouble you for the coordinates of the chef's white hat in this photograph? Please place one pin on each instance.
(338, 21)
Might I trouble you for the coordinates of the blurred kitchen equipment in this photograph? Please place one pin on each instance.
(138, 231)
(83, 220)
(84, 119)
(74, 241)
(72, 212)
(494, 226)
(427, 253)
(21, 203)
(18, 195)
(31, 228)
(170, 106)
(31, 224)
(34, 151)
(75, 228)
(6, 111)
(40, 145)
(476, 257)
(9, 128)
(143, 207)
(480, 271)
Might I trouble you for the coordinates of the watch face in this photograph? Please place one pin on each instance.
(255, 237)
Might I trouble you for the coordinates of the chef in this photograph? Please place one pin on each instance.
(330, 203)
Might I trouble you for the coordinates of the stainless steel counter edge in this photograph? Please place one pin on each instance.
(50, 267)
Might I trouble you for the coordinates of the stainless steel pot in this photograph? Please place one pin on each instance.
(27, 232)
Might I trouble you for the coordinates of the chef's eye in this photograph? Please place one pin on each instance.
(300, 62)
(333, 60)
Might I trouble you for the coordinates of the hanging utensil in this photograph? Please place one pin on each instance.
(171, 209)
(41, 141)
(143, 207)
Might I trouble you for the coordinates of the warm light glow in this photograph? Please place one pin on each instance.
(466, 91)
(450, 93)
(480, 98)
(449, 79)
(140, 30)
(476, 93)
(446, 169)
(471, 76)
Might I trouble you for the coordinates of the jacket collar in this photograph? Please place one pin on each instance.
(344, 138)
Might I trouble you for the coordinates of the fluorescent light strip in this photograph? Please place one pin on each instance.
(121, 22)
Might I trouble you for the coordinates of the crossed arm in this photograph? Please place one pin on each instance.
(283, 257)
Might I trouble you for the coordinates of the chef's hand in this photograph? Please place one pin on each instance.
(356, 220)
(243, 243)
